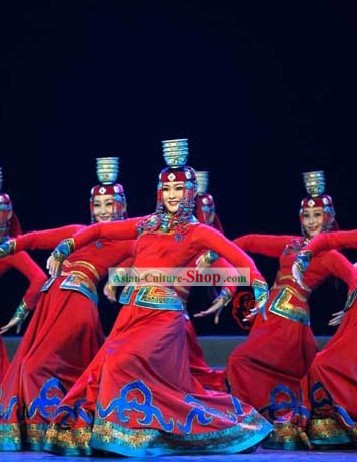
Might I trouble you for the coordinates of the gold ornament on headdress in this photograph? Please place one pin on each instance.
(107, 169)
(314, 183)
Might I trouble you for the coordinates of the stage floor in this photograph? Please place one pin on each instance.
(258, 456)
(216, 348)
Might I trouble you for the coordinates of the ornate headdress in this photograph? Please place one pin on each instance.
(205, 210)
(175, 155)
(8, 226)
(315, 187)
(107, 173)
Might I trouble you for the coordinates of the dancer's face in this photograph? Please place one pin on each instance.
(103, 207)
(313, 220)
(172, 193)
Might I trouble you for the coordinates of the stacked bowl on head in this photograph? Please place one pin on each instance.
(107, 169)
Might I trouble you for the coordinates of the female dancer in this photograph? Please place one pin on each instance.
(279, 349)
(65, 332)
(10, 227)
(327, 414)
(138, 397)
(214, 379)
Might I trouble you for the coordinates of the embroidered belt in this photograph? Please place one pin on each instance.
(77, 282)
(300, 296)
(282, 306)
(154, 298)
(83, 267)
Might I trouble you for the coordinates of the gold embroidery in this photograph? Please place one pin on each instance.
(78, 278)
(282, 306)
(85, 264)
(325, 428)
(68, 438)
(135, 438)
(292, 291)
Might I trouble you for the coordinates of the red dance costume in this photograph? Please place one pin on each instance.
(266, 369)
(214, 379)
(209, 377)
(335, 240)
(21, 262)
(138, 397)
(328, 413)
(62, 338)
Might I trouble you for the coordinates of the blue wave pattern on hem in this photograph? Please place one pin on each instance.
(50, 395)
(199, 411)
(6, 412)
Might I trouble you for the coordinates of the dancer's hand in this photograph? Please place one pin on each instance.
(53, 266)
(12, 323)
(110, 292)
(216, 308)
(261, 295)
(58, 256)
(336, 318)
(219, 303)
(21, 313)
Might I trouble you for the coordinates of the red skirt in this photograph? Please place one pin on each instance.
(210, 378)
(139, 398)
(265, 371)
(332, 387)
(61, 339)
(4, 359)
(327, 415)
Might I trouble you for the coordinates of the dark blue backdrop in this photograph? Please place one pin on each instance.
(263, 90)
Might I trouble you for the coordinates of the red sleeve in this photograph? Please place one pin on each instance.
(126, 263)
(123, 230)
(227, 269)
(45, 239)
(338, 265)
(335, 240)
(264, 244)
(208, 238)
(24, 263)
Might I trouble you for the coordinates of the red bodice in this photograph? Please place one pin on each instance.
(285, 248)
(93, 260)
(159, 249)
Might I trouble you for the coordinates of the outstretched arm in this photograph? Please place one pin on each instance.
(336, 240)
(227, 290)
(24, 263)
(212, 239)
(264, 244)
(36, 277)
(320, 243)
(45, 239)
(117, 230)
